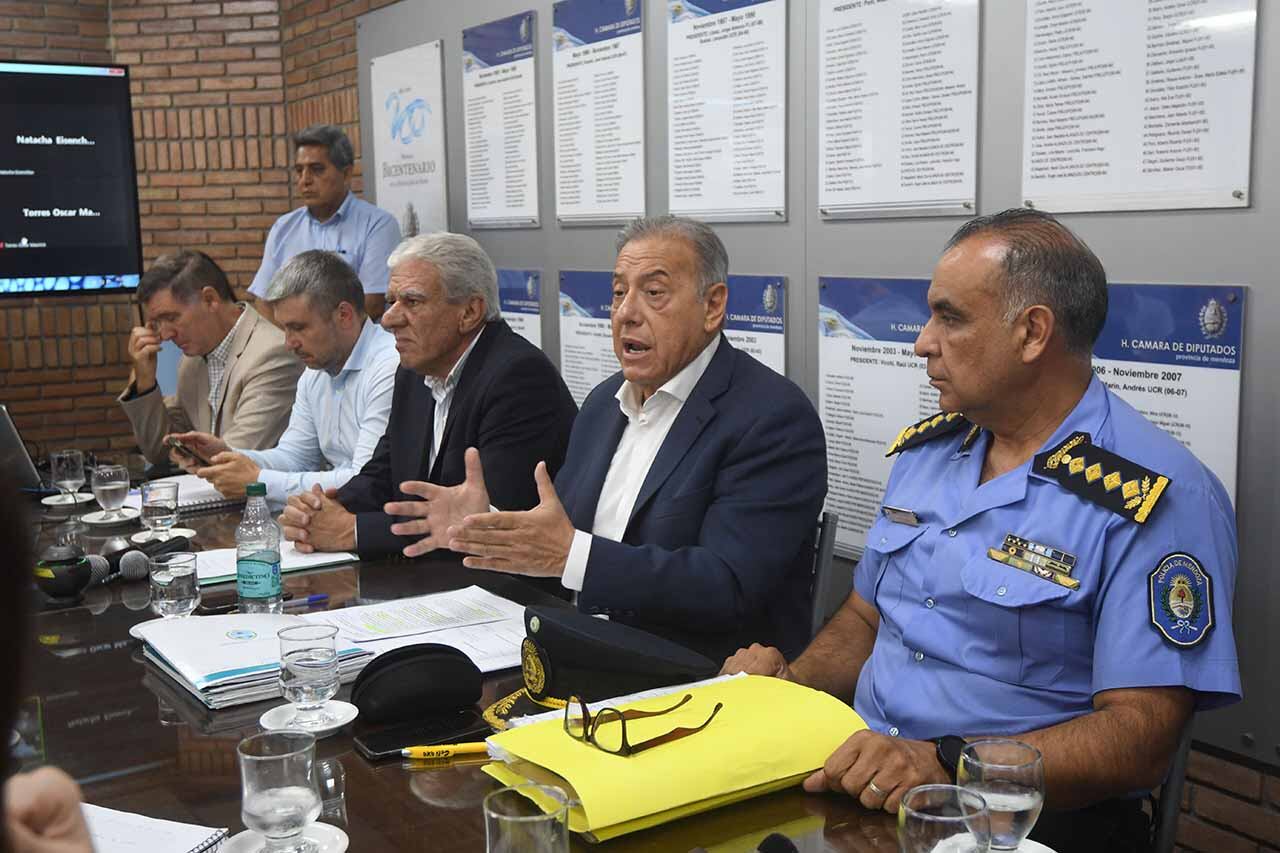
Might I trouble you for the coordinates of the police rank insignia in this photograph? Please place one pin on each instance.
(1181, 597)
(1100, 476)
(928, 429)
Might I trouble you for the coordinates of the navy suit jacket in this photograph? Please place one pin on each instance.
(718, 552)
(510, 403)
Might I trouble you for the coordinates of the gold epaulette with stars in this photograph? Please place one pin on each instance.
(929, 429)
(1100, 476)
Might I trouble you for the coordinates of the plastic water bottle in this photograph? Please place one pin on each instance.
(258, 586)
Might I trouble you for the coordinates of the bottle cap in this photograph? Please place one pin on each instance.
(256, 490)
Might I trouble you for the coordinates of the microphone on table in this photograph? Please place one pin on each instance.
(132, 564)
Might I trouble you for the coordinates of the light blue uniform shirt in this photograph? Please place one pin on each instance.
(363, 235)
(336, 421)
(970, 646)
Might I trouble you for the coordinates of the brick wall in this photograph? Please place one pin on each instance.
(1229, 807)
(70, 31)
(319, 41)
(209, 125)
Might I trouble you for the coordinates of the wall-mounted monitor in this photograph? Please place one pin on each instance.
(68, 183)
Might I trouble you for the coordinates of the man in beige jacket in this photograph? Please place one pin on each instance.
(236, 379)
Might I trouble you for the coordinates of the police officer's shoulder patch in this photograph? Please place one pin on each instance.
(1181, 597)
(927, 430)
(1100, 476)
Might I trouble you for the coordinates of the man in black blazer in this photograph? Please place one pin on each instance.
(466, 380)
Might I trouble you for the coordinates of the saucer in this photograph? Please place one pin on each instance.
(142, 537)
(1029, 846)
(67, 500)
(136, 634)
(329, 839)
(98, 519)
(279, 717)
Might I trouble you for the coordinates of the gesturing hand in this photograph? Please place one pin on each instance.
(441, 507)
(535, 542)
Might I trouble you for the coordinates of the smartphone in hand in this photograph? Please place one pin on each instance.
(177, 445)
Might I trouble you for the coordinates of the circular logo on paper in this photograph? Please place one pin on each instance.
(241, 634)
(531, 287)
(535, 677)
(630, 6)
(1213, 319)
(524, 29)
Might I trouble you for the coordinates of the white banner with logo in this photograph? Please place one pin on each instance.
(408, 138)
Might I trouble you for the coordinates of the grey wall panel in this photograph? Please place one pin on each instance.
(1228, 246)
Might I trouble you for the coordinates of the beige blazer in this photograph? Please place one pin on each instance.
(255, 403)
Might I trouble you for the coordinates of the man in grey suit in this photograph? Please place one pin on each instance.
(236, 379)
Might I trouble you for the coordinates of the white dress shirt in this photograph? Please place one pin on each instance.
(336, 422)
(442, 392)
(646, 430)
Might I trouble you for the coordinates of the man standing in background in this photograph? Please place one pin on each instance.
(331, 218)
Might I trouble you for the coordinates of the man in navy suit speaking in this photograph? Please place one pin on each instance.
(689, 495)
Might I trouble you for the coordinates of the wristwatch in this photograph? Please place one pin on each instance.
(949, 748)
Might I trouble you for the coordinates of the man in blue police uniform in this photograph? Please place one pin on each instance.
(1048, 565)
(331, 219)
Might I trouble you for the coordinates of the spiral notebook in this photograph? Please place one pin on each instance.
(124, 832)
(194, 495)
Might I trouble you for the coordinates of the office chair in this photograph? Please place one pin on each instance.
(1165, 818)
(830, 587)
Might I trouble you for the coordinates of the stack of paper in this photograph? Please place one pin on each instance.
(229, 660)
(233, 659)
(122, 832)
(485, 627)
(218, 565)
(768, 735)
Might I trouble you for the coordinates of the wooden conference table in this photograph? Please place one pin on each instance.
(138, 742)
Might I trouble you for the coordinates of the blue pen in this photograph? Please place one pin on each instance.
(318, 598)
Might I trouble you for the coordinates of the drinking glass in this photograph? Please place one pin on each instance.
(309, 672)
(1009, 775)
(159, 508)
(111, 487)
(278, 789)
(331, 780)
(513, 823)
(943, 819)
(175, 588)
(67, 470)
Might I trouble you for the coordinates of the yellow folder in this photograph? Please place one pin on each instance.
(769, 735)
